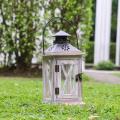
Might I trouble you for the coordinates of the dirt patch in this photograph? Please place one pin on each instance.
(30, 72)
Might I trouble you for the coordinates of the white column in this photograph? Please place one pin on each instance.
(102, 30)
(118, 37)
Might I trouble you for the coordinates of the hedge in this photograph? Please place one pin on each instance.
(90, 52)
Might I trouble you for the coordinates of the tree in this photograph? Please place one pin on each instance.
(19, 27)
(78, 12)
(22, 20)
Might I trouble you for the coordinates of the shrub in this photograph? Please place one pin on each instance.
(90, 52)
(105, 65)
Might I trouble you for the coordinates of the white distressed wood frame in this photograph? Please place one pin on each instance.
(70, 88)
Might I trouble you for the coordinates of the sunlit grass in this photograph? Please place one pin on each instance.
(21, 99)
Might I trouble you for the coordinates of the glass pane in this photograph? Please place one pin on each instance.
(69, 69)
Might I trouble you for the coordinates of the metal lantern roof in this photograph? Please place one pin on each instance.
(61, 33)
(62, 49)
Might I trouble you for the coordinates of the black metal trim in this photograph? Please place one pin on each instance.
(56, 91)
(56, 68)
(78, 77)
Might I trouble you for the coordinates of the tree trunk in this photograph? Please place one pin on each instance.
(23, 61)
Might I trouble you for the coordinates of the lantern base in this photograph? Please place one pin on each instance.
(81, 104)
(65, 101)
(70, 102)
(74, 103)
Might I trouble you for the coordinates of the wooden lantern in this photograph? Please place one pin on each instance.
(62, 72)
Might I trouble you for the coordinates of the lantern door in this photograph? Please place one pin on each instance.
(66, 85)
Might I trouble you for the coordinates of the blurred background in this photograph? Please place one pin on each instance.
(22, 23)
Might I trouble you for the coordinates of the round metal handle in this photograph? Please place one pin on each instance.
(44, 29)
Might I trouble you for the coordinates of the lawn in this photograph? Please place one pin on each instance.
(21, 99)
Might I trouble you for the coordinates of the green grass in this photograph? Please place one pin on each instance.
(21, 99)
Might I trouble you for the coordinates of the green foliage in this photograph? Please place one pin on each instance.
(18, 29)
(114, 20)
(105, 65)
(78, 12)
(22, 20)
(85, 77)
(112, 52)
(90, 52)
(21, 99)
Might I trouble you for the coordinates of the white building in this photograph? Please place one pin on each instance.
(102, 31)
